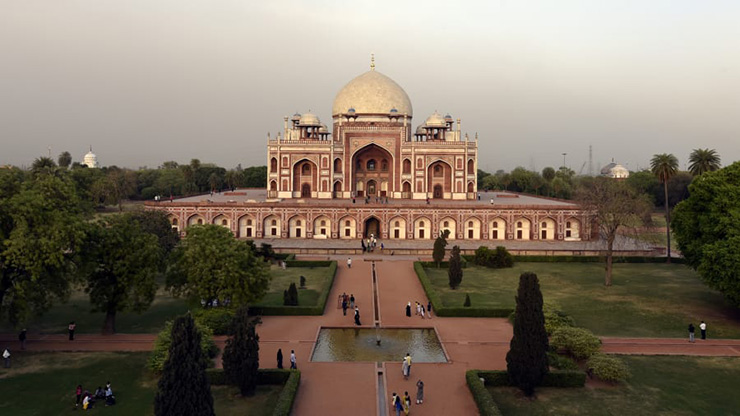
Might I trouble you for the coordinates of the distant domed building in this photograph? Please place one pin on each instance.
(615, 171)
(90, 159)
(374, 174)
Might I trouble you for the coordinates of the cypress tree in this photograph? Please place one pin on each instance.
(455, 272)
(184, 388)
(526, 361)
(467, 300)
(438, 254)
(241, 355)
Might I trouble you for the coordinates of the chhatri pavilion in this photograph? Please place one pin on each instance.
(375, 173)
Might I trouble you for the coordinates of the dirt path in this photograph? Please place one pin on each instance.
(479, 343)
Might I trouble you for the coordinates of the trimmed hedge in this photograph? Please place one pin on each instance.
(301, 310)
(458, 312)
(585, 259)
(496, 378)
(290, 379)
(284, 256)
(483, 399)
(608, 368)
(444, 264)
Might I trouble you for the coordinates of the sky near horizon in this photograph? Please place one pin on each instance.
(147, 81)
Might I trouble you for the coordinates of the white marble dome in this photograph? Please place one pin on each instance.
(372, 93)
(435, 120)
(90, 159)
(309, 119)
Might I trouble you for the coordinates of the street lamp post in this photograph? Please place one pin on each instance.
(564, 154)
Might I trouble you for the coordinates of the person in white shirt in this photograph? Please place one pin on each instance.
(703, 328)
(349, 262)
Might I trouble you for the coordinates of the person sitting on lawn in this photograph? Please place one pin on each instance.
(100, 393)
(110, 399)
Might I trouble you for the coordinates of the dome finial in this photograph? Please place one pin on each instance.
(372, 62)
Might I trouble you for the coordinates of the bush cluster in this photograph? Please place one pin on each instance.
(290, 296)
(608, 368)
(578, 342)
(561, 362)
(217, 319)
(497, 258)
(164, 339)
(555, 318)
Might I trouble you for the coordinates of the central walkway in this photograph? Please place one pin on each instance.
(353, 387)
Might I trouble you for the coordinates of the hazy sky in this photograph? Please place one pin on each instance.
(145, 81)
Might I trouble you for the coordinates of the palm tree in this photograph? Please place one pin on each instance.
(703, 160)
(664, 166)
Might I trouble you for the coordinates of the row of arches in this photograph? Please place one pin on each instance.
(397, 228)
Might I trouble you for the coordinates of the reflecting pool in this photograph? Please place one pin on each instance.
(360, 344)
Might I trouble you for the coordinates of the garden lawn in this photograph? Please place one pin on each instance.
(78, 309)
(316, 280)
(44, 384)
(645, 300)
(660, 385)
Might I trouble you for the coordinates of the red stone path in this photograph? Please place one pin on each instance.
(470, 343)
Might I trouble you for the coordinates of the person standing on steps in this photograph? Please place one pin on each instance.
(293, 365)
(691, 332)
(349, 262)
(280, 358)
(703, 328)
(71, 329)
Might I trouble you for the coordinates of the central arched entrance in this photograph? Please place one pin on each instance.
(305, 191)
(372, 226)
(371, 167)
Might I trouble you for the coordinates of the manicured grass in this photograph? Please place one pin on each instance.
(645, 300)
(660, 385)
(77, 309)
(316, 279)
(228, 402)
(41, 384)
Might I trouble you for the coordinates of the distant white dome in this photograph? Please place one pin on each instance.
(372, 93)
(90, 159)
(615, 170)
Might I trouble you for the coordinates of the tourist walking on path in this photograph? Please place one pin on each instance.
(344, 306)
(691, 332)
(429, 309)
(396, 403)
(349, 262)
(357, 316)
(6, 358)
(417, 308)
(419, 392)
(422, 311)
(352, 301)
(280, 358)
(71, 330)
(703, 327)
(293, 365)
(408, 309)
(406, 366)
(22, 338)
(406, 402)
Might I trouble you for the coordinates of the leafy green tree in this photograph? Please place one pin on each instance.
(644, 182)
(43, 164)
(254, 177)
(703, 160)
(438, 253)
(184, 388)
(64, 159)
(41, 230)
(614, 205)
(526, 361)
(707, 229)
(467, 300)
(664, 166)
(123, 261)
(157, 224)
(241, 359)
(211, 265)
(548, 174)
(455, 271)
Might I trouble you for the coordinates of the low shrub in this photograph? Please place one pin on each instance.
(218, 319)
(273, 376)
(555, 318)
(308, 263)
(578, 342)
(495, 378)
(164, 339)
(217, 376)
(483, 399)
(561, 362)
(497, 258)
(608, 368)
(467, 300)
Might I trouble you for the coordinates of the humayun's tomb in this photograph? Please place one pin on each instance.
(374, 173)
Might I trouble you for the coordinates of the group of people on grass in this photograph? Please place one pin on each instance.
(420, 310)
(403, 404)
(87, 400)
